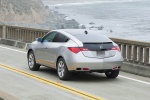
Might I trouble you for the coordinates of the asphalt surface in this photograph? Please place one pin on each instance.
(125, 87)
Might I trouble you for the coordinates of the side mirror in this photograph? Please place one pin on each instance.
(39, 39)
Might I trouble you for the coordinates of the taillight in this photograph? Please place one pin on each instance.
(77, 49)
(115, 48)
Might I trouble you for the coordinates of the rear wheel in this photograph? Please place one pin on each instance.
(112, 73)
(62, 70)
(32, 63)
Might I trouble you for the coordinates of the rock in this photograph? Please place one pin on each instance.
(83, 27)
(111, 31)
(100, 27)
(91, 23)
(56, 7)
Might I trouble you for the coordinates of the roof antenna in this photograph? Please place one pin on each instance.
(86, 32)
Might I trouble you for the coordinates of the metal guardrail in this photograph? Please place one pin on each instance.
(133, 51)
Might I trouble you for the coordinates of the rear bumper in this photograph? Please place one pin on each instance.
(94, 63)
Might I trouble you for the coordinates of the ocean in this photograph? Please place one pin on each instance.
(127, 19)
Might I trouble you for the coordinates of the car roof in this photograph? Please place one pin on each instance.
(91, 36)
(78, 31)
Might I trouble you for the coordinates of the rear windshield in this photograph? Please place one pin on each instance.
(92, 38)
(98, 46)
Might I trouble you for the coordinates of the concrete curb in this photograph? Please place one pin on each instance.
(137, 69)
(8, 42)
(15, 43)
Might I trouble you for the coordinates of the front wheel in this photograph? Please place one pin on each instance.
(112, 73)
(32, 63)
(62, 70)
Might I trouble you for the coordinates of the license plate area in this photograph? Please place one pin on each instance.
(100, 53)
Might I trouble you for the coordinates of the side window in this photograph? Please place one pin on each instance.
(49, 37)
(61, 38)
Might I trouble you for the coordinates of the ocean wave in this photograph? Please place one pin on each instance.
(92, 2)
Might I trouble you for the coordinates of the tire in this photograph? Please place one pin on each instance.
(112, 73)
(62, 70)
(32, 63)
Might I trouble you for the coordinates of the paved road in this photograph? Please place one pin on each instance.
(125, 87)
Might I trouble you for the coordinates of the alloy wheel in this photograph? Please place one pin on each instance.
(61, 68)
(31, 61)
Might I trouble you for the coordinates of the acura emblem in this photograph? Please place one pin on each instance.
(101, 46)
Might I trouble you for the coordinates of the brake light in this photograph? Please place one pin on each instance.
(115, 48)
(77, 49)
(85, 68)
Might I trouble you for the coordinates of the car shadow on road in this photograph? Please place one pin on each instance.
(48, 71)
(80, 77)
(92, 77)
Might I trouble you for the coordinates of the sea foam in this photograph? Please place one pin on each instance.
(92, 2)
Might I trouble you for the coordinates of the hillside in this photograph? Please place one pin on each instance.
(22, 11)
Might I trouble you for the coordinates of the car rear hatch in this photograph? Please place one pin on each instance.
(98, 50)
(96, 45)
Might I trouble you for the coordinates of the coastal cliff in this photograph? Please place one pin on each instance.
(33, 13)
(24, 11)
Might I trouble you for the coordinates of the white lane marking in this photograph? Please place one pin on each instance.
(134, 80)
(13, 49)
(119, 75)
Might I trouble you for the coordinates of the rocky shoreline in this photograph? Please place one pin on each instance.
(58, 20)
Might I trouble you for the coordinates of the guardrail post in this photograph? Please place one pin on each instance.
(129, 50)
(9, 32)
(4, 32)
(146, 55)
(25, 36)
(7, 35)
(12, 33)
(36, 35)
(119, 45)
(124, 51)
(17, 34)
(42, 34)
(134, 53)
(0, 31)
(32, 35)
(140, 54)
